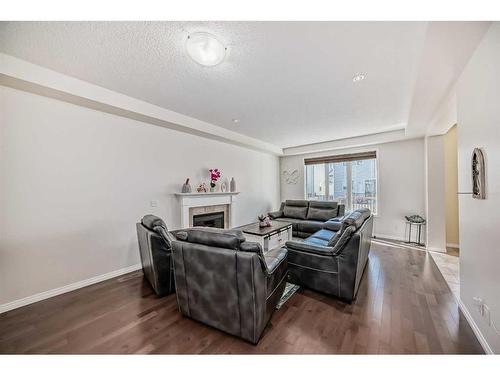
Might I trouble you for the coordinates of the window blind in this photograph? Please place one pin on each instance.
(341, 158)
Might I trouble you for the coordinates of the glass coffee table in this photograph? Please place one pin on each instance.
(269, 237)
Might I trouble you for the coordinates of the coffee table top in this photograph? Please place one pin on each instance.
(258, 231)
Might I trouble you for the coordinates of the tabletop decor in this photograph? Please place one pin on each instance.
(201, 188)
(214, 176)
(186, 188)
(264, 221)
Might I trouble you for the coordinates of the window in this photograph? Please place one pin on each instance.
(348, 179)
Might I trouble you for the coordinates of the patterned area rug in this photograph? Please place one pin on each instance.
(290, 289)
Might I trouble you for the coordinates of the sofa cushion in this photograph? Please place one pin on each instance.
(324, 234)
(316, 241)
(322, 211)
(229, 239)
(341, 238)
(309, 226)
(276, 260)
(295, 209)
(297, 202)
(357, 218)
(333, 225)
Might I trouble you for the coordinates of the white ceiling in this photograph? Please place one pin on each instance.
(289, 83)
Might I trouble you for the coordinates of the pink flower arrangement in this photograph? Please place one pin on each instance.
(214, 176)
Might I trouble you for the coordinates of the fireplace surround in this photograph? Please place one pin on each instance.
(193, 204)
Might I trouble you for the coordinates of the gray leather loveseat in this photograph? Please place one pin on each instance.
(226, 282)
(333, 259)
(307, 217)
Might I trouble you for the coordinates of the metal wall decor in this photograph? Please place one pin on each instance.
(291, 176)
(478, 175)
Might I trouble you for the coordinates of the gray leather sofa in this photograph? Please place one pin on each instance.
(227, 283)
(307, 217)
(155, 246)
(333, 259)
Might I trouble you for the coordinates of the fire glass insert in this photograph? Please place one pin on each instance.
(213, 220)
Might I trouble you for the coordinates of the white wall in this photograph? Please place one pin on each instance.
(401, 182)
(436, 198)
(478, 99)
(74, 181)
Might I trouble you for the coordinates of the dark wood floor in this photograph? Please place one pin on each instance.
(403, 306)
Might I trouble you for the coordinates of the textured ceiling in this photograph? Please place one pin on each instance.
(289, 83)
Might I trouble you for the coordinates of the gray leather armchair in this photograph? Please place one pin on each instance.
(155, 246)
(227, 283)
(333, 259)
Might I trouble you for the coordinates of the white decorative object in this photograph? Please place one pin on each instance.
(233, 185)
(291, 176)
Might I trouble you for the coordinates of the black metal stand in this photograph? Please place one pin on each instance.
(419, 233)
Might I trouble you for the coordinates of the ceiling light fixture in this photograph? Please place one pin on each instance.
(205, 49)
(235, 120)
(358, 77)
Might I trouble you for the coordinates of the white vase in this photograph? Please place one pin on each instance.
(233, 185)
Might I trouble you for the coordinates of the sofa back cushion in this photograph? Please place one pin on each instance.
(322, 211)
(228, 239)
(296, 209)
(156, 224)
(357, 218)
(353, 221)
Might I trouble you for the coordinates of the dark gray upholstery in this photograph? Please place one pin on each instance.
(227, 283)
(307, 217)
(296, 209)
(335, 270)
(155, 247)
(322, 211)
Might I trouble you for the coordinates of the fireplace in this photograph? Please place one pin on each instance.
(213, 219)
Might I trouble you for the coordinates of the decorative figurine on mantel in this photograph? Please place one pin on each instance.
(214, 176)
(201, 188)
(186, 188)
(264, 221)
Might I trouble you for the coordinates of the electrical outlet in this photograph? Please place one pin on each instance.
(153, 203)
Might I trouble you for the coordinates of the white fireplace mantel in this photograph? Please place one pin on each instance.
(189, 200)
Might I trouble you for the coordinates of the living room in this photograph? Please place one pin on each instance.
(199, 187)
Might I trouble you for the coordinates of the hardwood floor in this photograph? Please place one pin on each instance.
(404, 306)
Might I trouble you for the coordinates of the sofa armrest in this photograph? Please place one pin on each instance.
(333, 224)
(309, 248)
(275, 214)
(274, 258)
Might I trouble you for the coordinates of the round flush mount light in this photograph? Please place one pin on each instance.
(358, 77)
(205, 49)
(235, 121)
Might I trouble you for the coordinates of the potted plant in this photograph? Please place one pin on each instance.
(214, 176)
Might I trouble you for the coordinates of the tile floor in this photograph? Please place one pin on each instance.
(449, 265)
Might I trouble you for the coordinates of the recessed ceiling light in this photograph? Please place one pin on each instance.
(358, 77)
(235, 120)
(205, 49)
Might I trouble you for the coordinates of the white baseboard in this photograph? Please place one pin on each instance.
(67, 288)
(453, 245)
(486, 347)
(388, 237)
